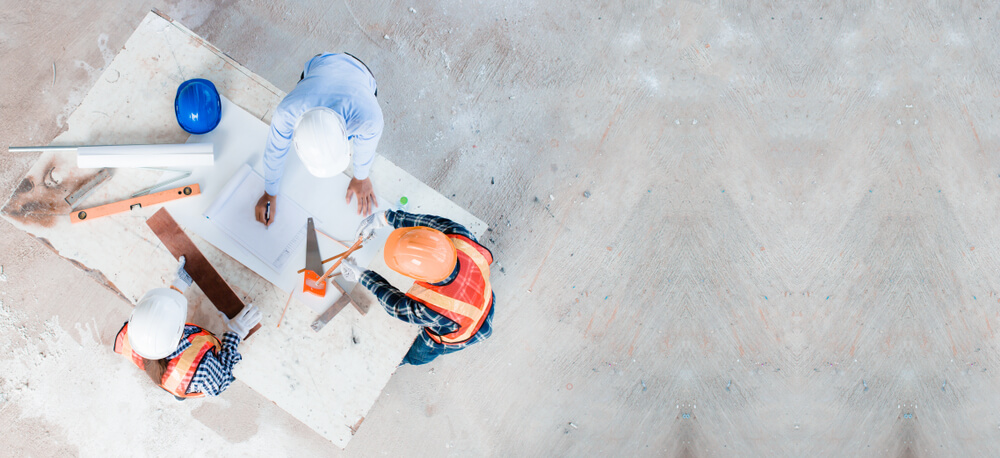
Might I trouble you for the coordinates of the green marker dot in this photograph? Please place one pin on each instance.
(403, 200)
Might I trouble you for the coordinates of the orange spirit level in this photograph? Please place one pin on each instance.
(134, 203)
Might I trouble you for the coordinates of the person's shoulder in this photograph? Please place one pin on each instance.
(369, 114)
(330, 57)
(192, 329)
(297, 101)
(333, 64)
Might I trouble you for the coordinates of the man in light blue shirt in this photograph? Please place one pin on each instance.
(339, 87)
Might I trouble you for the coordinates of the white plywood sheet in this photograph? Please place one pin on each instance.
(328, 380)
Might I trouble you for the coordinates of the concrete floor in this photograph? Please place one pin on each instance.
(789, 246)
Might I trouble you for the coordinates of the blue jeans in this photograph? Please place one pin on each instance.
(422, 351)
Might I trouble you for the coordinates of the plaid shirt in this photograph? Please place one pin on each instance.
(401, 306)
(215, 371)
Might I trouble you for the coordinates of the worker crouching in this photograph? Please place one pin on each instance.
(451, 296)
(182, 358)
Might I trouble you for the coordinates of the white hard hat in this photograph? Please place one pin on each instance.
(157, 323)
(321, 142)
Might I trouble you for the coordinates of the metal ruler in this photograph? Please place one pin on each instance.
(89, 187)
(334, 309)
(183, 175)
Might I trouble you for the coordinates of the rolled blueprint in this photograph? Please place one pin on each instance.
(180, 155)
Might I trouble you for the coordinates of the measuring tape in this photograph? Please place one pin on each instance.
(134, 203)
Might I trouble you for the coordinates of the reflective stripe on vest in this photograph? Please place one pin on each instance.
(467, 299)
(181, 369)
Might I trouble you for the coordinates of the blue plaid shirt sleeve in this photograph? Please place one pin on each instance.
(399, 218)
(403, 307)
(215, 372)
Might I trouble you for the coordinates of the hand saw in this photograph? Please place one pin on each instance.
(314, 264)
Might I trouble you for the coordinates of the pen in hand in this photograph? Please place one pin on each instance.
(267, 215)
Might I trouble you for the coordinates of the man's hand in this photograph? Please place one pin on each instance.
(265, 216)
(350, 270)
(366, 195)
(243, 322)
(372, 222)
(183, 280)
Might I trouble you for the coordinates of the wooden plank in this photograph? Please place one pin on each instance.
(207, 278)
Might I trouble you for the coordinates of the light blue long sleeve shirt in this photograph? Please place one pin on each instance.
(341, 83)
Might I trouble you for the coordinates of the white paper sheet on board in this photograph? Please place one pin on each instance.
(272, 244)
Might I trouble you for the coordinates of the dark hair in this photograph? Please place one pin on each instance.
(155, 368)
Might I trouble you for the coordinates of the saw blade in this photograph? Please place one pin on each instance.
(314, 261)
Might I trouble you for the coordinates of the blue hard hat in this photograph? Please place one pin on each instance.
(197, 106)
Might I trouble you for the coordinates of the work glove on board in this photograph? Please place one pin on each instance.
(366, 229)
(183, 280)
(350, 270)
(243, 322)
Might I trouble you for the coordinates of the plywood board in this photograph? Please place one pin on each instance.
(328, 380)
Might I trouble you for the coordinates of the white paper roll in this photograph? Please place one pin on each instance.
(181, 155)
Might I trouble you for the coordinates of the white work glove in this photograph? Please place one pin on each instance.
(366, 229)
(350, 270)
(183, 280)
(244, 321)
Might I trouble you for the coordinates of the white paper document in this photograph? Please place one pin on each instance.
(233, 212)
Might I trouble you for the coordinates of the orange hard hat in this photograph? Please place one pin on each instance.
(421, 253)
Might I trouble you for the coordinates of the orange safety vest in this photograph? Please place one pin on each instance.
(467, 299)
(181, 369)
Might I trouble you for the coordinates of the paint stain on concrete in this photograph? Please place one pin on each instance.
(41, 201)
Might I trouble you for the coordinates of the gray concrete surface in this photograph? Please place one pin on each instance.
(788, 248)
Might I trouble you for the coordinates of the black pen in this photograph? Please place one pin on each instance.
(267, 215)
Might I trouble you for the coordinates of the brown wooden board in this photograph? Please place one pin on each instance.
(207, 278)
